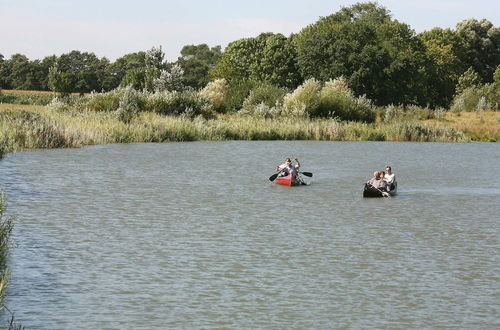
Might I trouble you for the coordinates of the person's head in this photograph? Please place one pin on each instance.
(288, 161)
(375, 174)
(388, 169)
(381, 174)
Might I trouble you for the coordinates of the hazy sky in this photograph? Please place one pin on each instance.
(113, 28)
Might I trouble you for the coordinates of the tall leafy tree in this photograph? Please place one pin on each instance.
(482, 43)
(3, 81)
(43, 71)
(379, 57)
(269, 58)
(81, 71)
(154, 65)
(276, 64)
(18, 70)
(129, 70)
(237, 60)
(196, 62)
(444, 52)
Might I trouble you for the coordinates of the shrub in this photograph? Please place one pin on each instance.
(216, 92)
(262, 110)
(109, 101)
(337, 99)
(187, 103)
(237, 93)
(467, 100)
(268, 94)
(128, 107)
(304, 99)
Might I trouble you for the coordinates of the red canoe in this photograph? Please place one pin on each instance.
(287, 181)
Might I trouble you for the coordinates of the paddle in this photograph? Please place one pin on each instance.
(274, 176)
(385, 194)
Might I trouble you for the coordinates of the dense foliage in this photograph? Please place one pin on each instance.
(380, 59)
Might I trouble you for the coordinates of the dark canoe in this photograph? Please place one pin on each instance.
(369, 191)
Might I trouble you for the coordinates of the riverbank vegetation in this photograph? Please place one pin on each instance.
(56, 126)
(5, 230)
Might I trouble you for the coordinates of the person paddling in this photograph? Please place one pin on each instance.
(287, 167)
(389, 177)
(379, 183)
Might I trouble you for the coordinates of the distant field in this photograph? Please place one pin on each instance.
(20, 91)
(32, 107)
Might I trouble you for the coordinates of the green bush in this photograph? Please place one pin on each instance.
(336, 99)
(128, 107)
(237, 93)
(188, 103)
(267, 94)
(109, 101)
(304, 99)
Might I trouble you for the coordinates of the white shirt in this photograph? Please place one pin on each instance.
(389, 178)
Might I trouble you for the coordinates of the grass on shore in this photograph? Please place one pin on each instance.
(31, 127)
(478, 126)
(6, 225)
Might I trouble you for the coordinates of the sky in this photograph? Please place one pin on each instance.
(113, 28)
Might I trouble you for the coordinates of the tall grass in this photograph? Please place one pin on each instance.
(53, 128)
(6, 225)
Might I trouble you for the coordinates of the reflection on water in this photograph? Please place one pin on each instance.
(193, 235)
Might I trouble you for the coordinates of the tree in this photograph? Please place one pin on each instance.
(444, 52)
(172, 80)
(82, 71)
(276, 63)
(43, 71)
(378, 56)
(469, 79)
(18, 70)
(59, 82)
(154, 64)
(269, 58)
(3, 81)
(129, 70)
(482, 46)
(236, 61)
(196, 62)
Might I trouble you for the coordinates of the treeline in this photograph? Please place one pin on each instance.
(378, 57)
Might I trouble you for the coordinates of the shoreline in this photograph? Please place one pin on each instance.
(39, 127)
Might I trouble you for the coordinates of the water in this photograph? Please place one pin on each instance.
(193, 235)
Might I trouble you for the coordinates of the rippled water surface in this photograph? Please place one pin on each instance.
(193, 235)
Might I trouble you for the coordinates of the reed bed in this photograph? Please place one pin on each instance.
(52, 128)
(6, 225)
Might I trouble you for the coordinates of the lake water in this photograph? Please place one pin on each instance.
(193, 235)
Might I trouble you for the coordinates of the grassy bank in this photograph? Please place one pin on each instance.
(5, 230)
(478, 125)
(30, 127)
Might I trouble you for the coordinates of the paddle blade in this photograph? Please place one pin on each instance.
(309, 174)
(273, 177)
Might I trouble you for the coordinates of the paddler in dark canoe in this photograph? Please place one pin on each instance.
(377, 186)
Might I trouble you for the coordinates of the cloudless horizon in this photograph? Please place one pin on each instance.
(114, 28)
